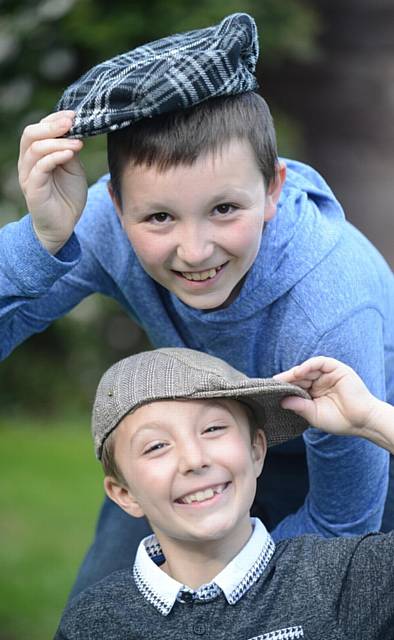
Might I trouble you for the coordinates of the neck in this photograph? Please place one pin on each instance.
(233, 296)
(196, 563)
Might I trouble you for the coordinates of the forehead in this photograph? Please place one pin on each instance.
(172, 413)
(232, 164)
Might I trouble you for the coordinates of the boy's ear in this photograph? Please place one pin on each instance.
(122, 496)
(259, 450)
(115, 200)
(274, 190)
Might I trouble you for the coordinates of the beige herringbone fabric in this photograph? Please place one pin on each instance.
(169, 374)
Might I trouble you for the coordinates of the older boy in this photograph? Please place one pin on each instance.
(208, 241)
(181, 441)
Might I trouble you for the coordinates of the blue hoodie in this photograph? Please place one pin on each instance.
(317, 287)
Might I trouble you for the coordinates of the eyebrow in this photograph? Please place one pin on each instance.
(226, 194)
(150, 426)
(229, 192)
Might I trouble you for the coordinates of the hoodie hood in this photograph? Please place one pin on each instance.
(307, 226)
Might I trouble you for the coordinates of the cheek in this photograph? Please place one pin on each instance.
(151, 480)
(150, 250)
(236, 454)
(245, 237)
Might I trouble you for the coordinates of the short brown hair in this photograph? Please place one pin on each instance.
(180, 137)
(108, 460)
(111, 468)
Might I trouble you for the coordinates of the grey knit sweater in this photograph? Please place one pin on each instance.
(311, 588)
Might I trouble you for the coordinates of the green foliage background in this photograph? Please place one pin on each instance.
(50, 486)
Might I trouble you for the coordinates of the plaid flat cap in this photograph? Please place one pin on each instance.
(173, 73)
(171, 374)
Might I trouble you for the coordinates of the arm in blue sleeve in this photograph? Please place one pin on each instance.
(27, 273)
(348, 477)
(36, 287)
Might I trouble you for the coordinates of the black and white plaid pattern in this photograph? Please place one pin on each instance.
(173, 73)
(290, 633)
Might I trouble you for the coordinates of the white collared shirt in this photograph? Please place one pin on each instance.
(233, 581)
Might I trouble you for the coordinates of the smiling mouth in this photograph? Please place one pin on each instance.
(198, 276)
(201, 496)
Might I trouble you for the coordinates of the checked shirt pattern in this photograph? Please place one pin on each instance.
(208, 591)
(291, 633)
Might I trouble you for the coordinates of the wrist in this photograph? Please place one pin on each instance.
(51, 245)
(379, 427)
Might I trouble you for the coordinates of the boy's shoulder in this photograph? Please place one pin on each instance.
(113, 601)
(311, 568)
(352, 277)
(338, 587)
(106, 589)
(327, 559)
(310, 239)
(314, 254)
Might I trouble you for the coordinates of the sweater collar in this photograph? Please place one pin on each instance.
(233, 581)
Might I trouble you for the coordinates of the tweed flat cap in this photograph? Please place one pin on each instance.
(170, 374)
(173, 73)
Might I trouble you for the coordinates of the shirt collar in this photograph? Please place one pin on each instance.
(233, 581)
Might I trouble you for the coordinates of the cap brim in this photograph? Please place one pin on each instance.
(264, 397)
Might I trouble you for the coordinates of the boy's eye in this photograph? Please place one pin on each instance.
(159, 217)
(155, 447)
(215, 427)
(224, 208)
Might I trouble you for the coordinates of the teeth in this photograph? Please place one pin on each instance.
(200, 496)
(200, 275)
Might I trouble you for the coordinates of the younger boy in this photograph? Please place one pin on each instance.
(182, 437)
(208, 241)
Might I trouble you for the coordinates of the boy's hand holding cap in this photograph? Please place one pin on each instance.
(52, 179)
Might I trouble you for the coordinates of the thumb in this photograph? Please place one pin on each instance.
(74, 166)
(303, 407)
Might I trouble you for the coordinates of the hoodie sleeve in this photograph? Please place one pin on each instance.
(36, 287)
(348, 476)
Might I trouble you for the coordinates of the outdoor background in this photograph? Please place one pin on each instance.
(327, 71)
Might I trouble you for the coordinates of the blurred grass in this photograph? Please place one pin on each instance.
(51, 490)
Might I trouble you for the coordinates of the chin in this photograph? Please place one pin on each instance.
(213, 531)
(213, 306)
(205, 303)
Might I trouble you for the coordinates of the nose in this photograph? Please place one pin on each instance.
(195, 246)
(193, 457)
